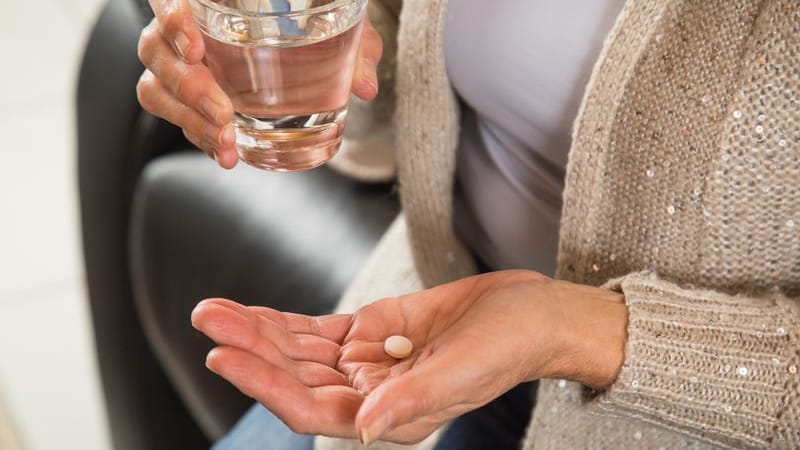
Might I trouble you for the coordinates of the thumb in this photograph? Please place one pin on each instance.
(400, 401)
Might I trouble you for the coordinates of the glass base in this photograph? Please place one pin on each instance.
(289, 143)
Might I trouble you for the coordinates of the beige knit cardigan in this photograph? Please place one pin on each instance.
(682, 192)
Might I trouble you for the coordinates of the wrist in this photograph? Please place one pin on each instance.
(595, 334)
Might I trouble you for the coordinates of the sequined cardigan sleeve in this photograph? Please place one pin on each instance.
(686, 164)
(721, 368)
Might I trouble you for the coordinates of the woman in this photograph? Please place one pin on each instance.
(681, 199)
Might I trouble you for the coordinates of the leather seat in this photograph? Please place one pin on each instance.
(288, 241)
(164, 227)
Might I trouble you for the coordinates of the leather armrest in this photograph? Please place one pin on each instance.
(115, 140)
(291, 241)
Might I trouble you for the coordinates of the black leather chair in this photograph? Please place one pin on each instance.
(163, 228)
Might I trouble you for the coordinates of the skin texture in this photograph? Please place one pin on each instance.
(179, 88)
(474, 339)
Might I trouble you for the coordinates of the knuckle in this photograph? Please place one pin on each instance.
(144, 88)
(151, 28)
(170, 23)
(372, 34)
(372, 49)
(205, 138)
(141, 50)
(210, 132)
(179, 80)
(379, 48)
(140, 96)
(188, 87)
(144, 50)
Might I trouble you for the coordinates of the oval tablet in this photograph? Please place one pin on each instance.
(398, 347)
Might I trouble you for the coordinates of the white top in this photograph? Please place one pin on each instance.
(520, 68)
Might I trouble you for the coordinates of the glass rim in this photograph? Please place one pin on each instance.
(277, 14)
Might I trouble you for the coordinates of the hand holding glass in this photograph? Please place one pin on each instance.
(287, 66)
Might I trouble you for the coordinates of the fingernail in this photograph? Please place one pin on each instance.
(228, 137)
(210, 108)
(370, 73)
(373, 432)
(182, 45)
(208, 366)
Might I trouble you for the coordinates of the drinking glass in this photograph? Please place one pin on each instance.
(287, 65)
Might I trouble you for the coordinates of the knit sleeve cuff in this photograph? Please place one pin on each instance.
(721, 368)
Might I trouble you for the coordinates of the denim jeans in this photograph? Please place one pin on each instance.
(499, 425)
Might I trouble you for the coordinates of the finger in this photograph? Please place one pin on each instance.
(370, 50)
(366, 377)
(308, 347)
(297, 346)
(366, 365)
(301, 337)
(250, 329)
(193, 85)
(378, 320)
(435, 388)
(415, 432)
(201, 143)
(176, 24)
(333, 327)
(314, 374)
(326, 410)
(229, 328)
(219, 140)
(363, 352)
(376, 419)
(227, 159)
(228, 325)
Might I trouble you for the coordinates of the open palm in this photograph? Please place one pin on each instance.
(329, 375)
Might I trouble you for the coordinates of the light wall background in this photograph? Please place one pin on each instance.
(50, 396)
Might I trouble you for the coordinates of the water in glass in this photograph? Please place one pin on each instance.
(287, 66)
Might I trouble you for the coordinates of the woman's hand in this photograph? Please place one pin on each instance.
(179, 88)
(474, 339)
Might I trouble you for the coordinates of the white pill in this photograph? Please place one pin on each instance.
(398, 347)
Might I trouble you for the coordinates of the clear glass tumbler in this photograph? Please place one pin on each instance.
(287, 65)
